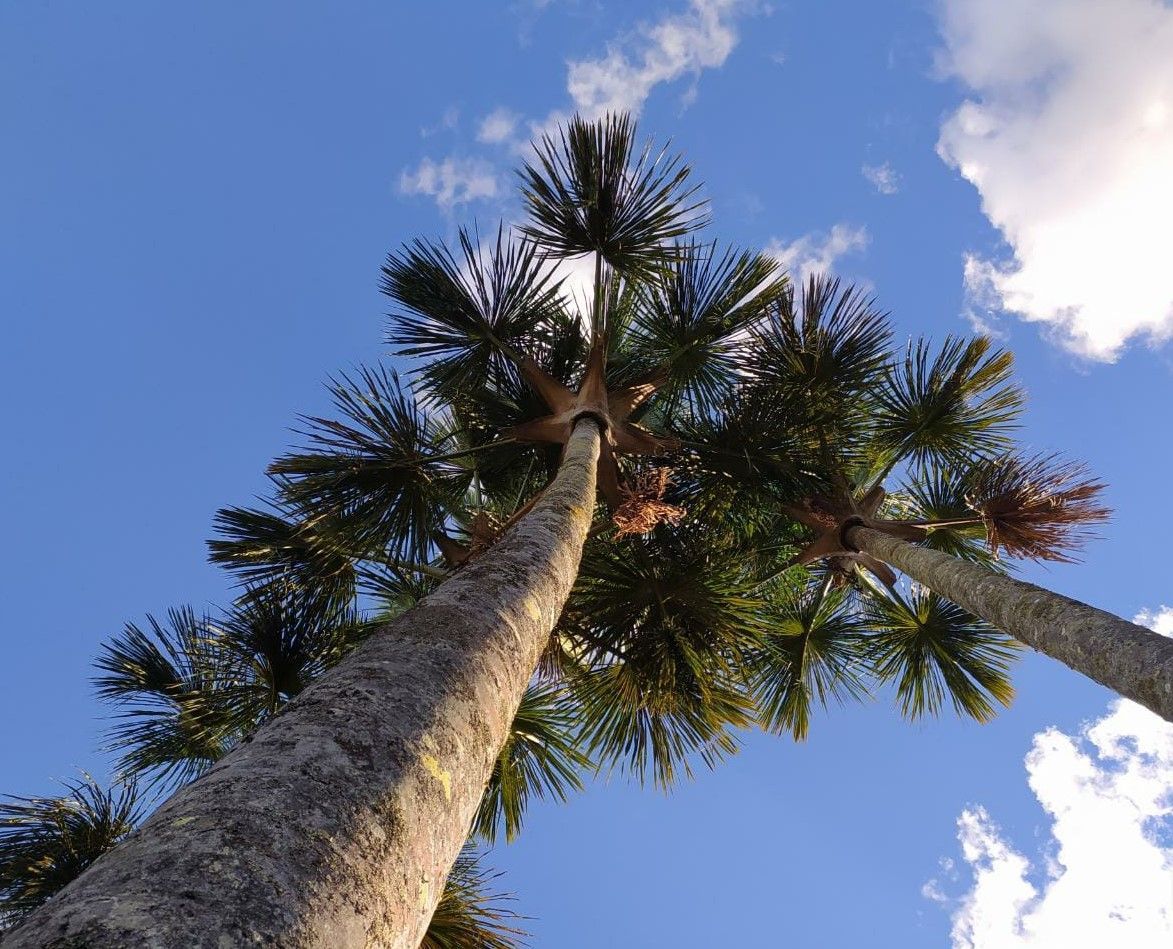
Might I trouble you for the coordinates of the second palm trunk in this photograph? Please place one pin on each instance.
(1132, 660)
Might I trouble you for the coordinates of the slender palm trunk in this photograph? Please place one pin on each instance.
(337, 823)
(1131, 660)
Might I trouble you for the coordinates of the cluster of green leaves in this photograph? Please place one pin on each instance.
(767, 399)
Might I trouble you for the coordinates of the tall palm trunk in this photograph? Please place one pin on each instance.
(1129, 659)
(337, 823)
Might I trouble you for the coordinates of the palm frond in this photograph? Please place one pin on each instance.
(471, 315)
(376, 472)
(812, 654)
(173, 686)
(275, 547)
(46, 842)
(540, 758)
(1037, 507)
(953, 406)
(671, 615)
(936, 652)
(829, 342)
(470, 914)
(589, 190)
(692, 324)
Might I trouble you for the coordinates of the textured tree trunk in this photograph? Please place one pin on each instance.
(1131, 660)
(337, 823)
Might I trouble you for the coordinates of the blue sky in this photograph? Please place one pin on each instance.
(195, 200)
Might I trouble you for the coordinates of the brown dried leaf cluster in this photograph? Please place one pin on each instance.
(643, 504)
(1038, 507)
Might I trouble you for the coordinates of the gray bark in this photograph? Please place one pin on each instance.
(1131, 660)
(337, 823)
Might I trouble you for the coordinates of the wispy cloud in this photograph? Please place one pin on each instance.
(679, 45)
(683, 44)
(1068, 137)
(882, 177)
(818, 252)
(451, 181)
(1105, 875)
(498, 126)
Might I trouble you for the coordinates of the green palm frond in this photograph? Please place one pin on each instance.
(275, 547)
(670, 615)
(379, 472)
(469, 317)
(812, 654)
(470, 914)
(540, 758)
(590, 190)
(936, 494)
(281, 640)
(173, 686)
(46, 842)
(690, 326)
(828, 343)
(937, 652)
(952, 406)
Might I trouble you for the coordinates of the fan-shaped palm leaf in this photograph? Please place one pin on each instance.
(380, 472)
(470, 316)
(812, 653)
(173, 687)
(589, 190)
(953, 406)
(936, 652)
(540, 758)
(46, 842)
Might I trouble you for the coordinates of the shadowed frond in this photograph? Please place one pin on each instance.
(540, 758)
(281, 640)
(173, 686)
(936, 652)
(471, 915)
(471, 316)
(46, 842)
(827, 343)
(812, 653)
(379, 472)
(276, 548)
(590, 190)
(1038, 507)
(691, 326)
(671, 615)
(954, 406)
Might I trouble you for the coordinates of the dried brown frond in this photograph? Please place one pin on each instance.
(1037, 507)
(483, 531)
(643, 504)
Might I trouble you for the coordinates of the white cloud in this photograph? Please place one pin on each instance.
(883, 177)
(1160, 620)
(816, 252)
(498, 126)
(702, 37)
(1107, 877)
(451, 181)
(1068, 137)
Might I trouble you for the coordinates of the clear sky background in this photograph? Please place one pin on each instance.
(194, 203)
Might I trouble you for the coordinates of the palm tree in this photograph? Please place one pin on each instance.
(369, 778)
(820, 373)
